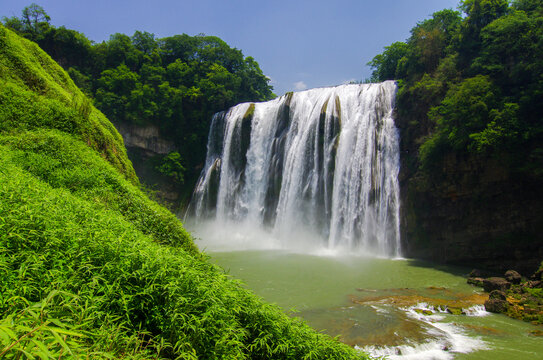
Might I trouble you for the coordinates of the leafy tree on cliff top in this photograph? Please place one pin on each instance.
(474, 84)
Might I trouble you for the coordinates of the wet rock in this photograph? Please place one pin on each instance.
(533, 284)
(477, 281)
(455, 311)
(497, 294)
(538, 275)
(496, 306)
(496, 283)
(476, 273)
(424, 312)
(513, 277)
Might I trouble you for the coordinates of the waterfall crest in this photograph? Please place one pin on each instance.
(323, 161)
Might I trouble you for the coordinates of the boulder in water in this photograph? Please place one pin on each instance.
(497, 294)
(496, 306)
(477, 281)
(496, 283)
(513, 277)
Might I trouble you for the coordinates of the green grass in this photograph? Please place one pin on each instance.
(89, 266)
(35, 92)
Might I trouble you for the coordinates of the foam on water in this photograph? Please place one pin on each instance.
(445, 339)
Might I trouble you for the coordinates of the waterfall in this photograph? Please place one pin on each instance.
(323, 161)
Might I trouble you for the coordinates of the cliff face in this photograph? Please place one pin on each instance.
(146, 148)
(475, 212)
(146, 138)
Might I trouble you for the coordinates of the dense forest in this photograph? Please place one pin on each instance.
(176, 83)
(472, 84)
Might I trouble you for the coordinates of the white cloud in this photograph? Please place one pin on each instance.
(300, 85)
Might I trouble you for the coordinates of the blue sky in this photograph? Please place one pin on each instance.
(298, 43)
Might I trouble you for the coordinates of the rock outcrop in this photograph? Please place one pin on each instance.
(471, 210)
(513, 296)
(146, 138)
(146, 147)
(496, 302)
(513, 277)
(496, 283)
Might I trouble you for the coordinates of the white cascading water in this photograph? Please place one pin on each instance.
(323, 161)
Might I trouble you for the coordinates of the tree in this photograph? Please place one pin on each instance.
(531, 7)
(144, 42)
(178, 47)
(114, 93)
(479, 13)
(172, 166)
(466, 109)
(67, 47)
(14, 23)
(35, 19)
(119, 50)
(431, 39)
(390, 64)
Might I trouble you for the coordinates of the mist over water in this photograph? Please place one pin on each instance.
(315, 170)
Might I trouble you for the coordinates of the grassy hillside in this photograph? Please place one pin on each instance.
(89, 266)
(37, 93)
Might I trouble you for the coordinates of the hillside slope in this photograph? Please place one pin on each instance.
(89, 266)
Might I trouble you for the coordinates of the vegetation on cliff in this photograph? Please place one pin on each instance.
(473, 84)
(89, 266)
(176, 83)
(469, 109)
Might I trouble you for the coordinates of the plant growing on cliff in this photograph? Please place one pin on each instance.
(171, 166)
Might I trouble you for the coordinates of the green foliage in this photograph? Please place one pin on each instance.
(37, 93)
(465, 109)
(431, 40)
(76, 226)
(474, 84)
(500, 131)
(176, 83)
(171, 166)
(390, 64)
(33, 22)
(91, 268)
(34, 332)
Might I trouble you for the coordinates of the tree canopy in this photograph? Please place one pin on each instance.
(176, 83)
(478, 79)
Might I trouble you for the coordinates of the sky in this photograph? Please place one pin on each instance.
(299, 44)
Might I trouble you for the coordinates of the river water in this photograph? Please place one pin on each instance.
(393, 307)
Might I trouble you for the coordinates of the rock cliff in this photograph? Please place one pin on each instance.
(473, 211)
(146, 148)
